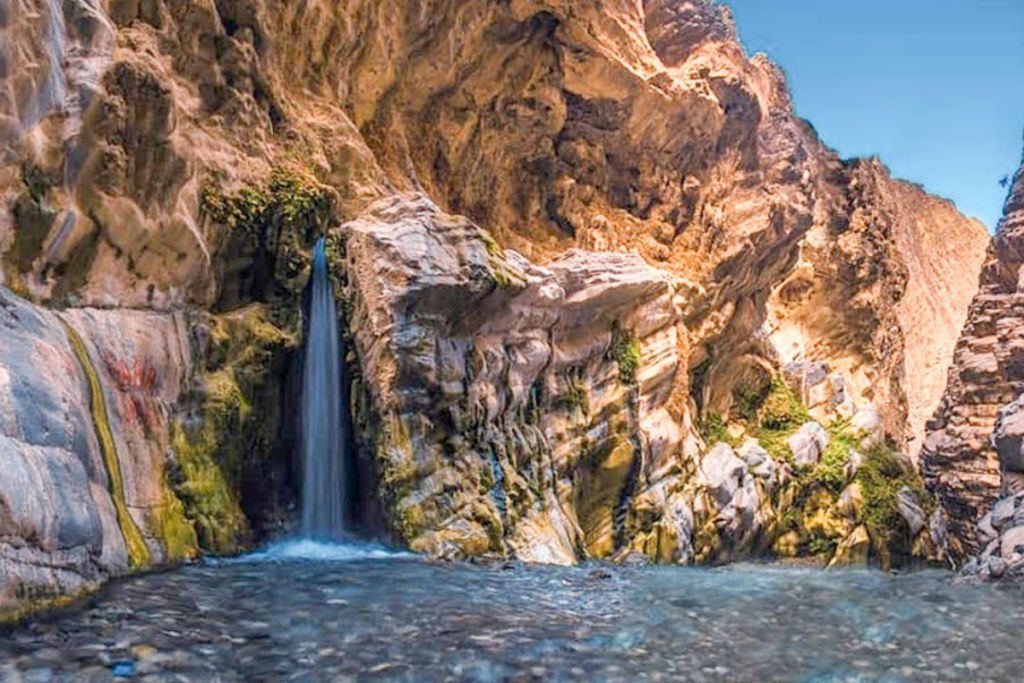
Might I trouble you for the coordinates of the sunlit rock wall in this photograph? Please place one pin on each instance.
(968, 459)
(668, 238)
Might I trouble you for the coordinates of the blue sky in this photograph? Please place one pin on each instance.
(933, 87)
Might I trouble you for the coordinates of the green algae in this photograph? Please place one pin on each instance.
(135, 544)
(625, 350)
(289, 198)
(210, 454)
(208, 502)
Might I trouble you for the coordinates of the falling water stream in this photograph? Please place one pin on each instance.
(319, 608)
(323, 442)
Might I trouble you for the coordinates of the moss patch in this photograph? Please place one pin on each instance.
(781, 410)
(290, 198)
(713, 430)
(271, 223)
(233, 428)
(625, 350)
(831, 470)
(881, 477)
(32, 601)
(174, 529)
(208, 502)
(774, 416)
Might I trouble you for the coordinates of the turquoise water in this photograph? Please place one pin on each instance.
(305, 611)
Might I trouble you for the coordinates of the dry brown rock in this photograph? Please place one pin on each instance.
(964, 453)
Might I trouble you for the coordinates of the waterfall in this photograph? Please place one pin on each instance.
(323, 442)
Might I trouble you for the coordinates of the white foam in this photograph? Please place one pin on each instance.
(306, 549)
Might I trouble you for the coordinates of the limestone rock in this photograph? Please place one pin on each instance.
(911, 511)
(808, 444)
(563, 378)
(1011, 543)
(758, 461)
(724, 473)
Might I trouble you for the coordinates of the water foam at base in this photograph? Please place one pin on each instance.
(309, 550)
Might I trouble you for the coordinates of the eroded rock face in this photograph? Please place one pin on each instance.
(667, 238)
(972, 437)
(520, 408)
(103, 468)
(58, 530)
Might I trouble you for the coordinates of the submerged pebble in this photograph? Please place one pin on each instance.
(405, 620)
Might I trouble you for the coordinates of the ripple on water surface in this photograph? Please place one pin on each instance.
(311, 612)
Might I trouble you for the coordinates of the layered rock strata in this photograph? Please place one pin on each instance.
(970, 457)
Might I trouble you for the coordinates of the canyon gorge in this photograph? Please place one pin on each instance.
(602, 294)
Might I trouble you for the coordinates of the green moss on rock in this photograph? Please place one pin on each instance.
(781, 409)
(234, 426)
(881, 477)
(172, 527)
(209, 503)
(831, 471)
(626, 351)
(290, 198)
(270, 225)
(713, 430)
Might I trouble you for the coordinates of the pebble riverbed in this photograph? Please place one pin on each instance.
(362, 614)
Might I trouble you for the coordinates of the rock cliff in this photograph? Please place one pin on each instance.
(971, 454)
(605, 293)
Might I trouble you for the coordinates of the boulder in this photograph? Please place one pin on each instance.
(867, 419)
(759, 461)
(1005, 512)
(1011, 543)
(986, 532)
(808, 444)
(1008, 437)
(723, 473)
(911, 511)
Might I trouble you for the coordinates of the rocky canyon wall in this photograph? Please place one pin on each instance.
(604, 292)
(972, 452)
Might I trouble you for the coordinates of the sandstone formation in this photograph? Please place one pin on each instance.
(971, 452)
(578, 246)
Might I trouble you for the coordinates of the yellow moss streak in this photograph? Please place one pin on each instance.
(173, 528)
(138, 552)
(32, 606)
